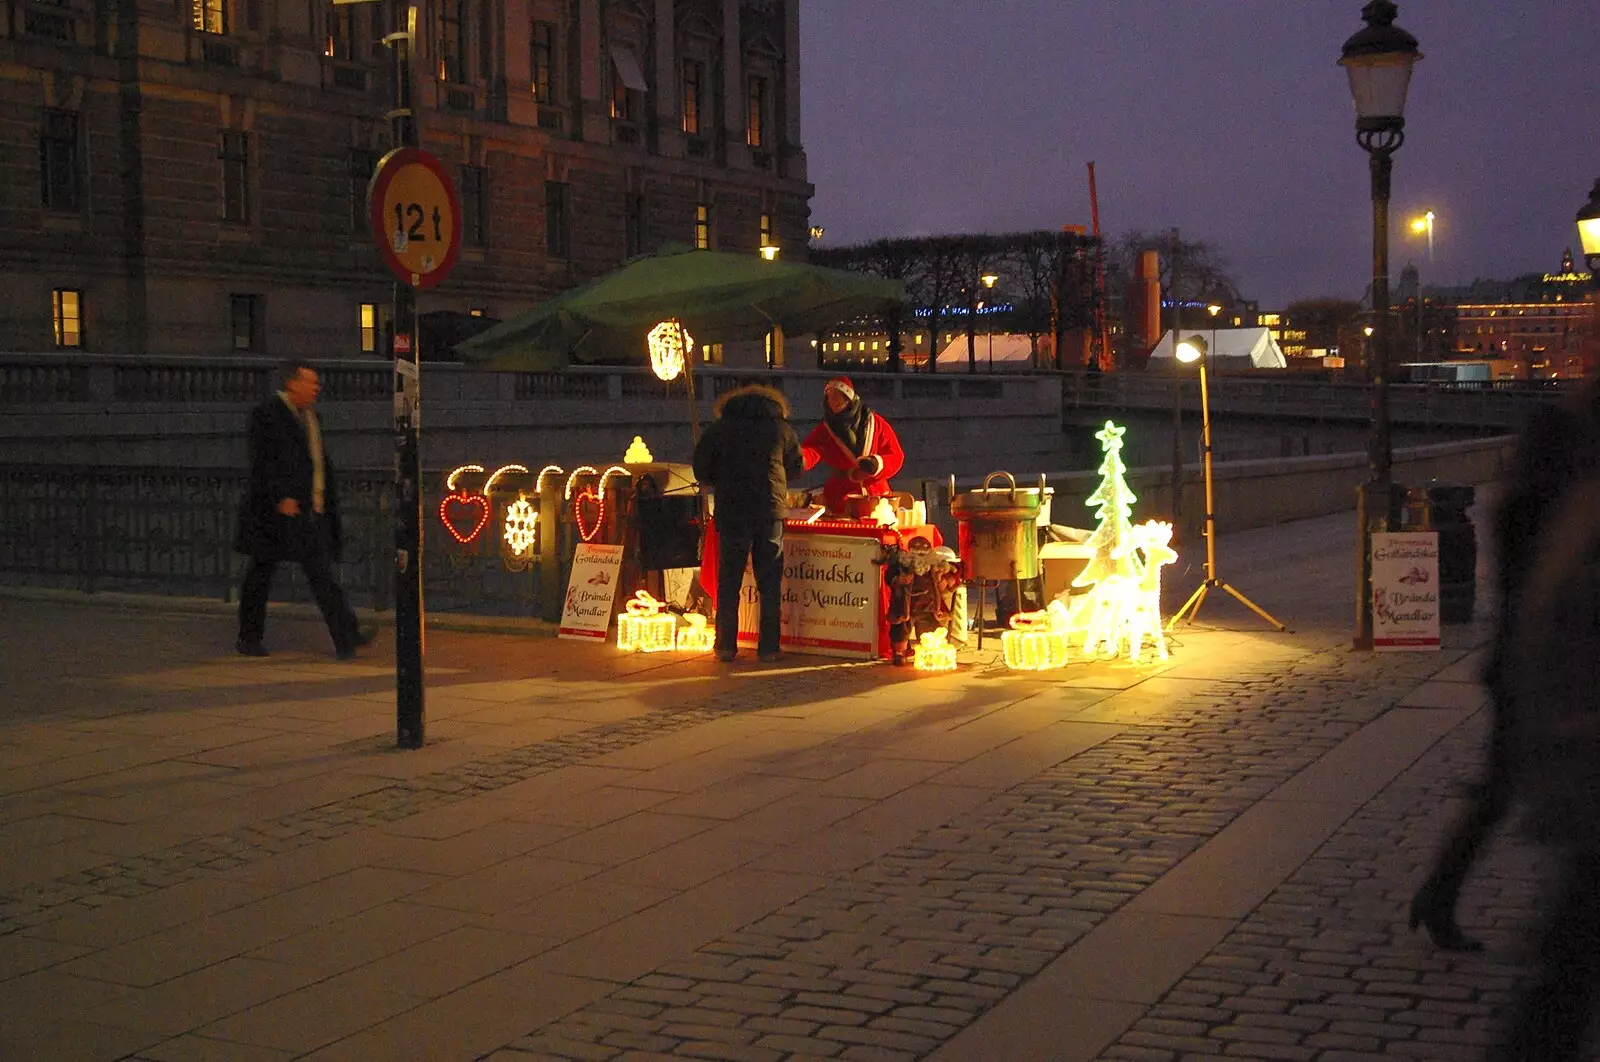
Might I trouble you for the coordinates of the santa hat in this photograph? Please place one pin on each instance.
(843, 385)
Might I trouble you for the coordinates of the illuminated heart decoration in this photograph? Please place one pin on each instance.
(588, 497)
(463, 510)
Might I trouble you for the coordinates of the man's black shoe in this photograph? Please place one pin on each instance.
(250, 648)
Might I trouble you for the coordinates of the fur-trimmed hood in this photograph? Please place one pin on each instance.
(753, 402)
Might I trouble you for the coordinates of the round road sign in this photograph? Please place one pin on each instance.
(416, 216)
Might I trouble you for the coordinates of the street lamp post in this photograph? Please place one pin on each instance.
(989, 281)
(1379, 60)
(1589, 228)
(1213, 309)
(1422, 225)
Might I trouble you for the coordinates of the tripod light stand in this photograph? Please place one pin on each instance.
(1191, 350)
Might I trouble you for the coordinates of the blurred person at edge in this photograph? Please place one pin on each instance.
(858, 444)
(1545, 677)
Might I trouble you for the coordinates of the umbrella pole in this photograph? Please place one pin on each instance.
(688, 382)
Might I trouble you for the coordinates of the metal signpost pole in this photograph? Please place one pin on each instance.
(408, 617)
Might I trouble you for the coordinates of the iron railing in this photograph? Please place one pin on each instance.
(165, 531)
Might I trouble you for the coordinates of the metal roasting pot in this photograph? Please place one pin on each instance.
(996, 529)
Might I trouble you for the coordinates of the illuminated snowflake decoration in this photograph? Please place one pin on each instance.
(521, 528)
(670, 347)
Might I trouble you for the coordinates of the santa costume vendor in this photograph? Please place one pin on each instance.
(857, 444)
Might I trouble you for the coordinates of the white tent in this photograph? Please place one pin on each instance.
(1256, 344)
(1006, 351)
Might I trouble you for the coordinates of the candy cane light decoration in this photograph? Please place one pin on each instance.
(670, 346)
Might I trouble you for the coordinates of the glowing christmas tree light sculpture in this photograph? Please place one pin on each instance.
(1122, 611)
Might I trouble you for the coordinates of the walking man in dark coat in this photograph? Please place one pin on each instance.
(291, 513)
(747, 458)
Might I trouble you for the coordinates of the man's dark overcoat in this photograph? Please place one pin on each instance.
(280, 467)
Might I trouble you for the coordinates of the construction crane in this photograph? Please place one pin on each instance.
(1101, 328)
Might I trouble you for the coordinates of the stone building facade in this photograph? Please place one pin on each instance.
(189, 176)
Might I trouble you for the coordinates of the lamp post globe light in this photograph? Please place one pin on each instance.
(1589, 228)
(1379, 60)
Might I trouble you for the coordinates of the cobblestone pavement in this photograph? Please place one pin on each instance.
(969, 933)
(892, 962)
(93, 887)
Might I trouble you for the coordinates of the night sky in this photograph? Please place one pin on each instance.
(1228, 119)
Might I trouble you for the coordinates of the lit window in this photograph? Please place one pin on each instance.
(66, 308)
(209, 16)
(702, 226)
(341, 33)
(874, 344)
(766, 230)
(711, 353)
(369, 328)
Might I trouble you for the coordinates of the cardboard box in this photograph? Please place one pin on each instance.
(1061, 563)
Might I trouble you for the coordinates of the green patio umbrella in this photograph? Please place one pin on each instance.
(719, 297)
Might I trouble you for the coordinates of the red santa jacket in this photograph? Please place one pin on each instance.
(878, 444)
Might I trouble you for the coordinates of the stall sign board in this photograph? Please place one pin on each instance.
(415, 216)
(1405, 590)
(832, 596)
(586, 615)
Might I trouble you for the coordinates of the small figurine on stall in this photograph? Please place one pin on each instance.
(923, 587)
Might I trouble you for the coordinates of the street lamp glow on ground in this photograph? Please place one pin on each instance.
(1189, 352)
(1379, 60)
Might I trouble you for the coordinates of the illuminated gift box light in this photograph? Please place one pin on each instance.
(934, 652)
(1032, 645)
(697, 637)
(644, 627)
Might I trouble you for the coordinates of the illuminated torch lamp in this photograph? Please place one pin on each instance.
(645, 627)
(670, 347)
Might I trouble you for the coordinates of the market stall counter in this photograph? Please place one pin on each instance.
(835, 591)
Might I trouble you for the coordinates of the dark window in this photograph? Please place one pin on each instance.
(362, 163)
(58, 161)
(452, 41)
(702, 226)
(557, 219)
(621, 98)
(485, 35)
(474, 206)
(209, 16)
(244, 313)
(542, 60)
(635, 224)
(755, 128)
(341, 32)
(234, 151)
(694, 87)
(66, 309)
